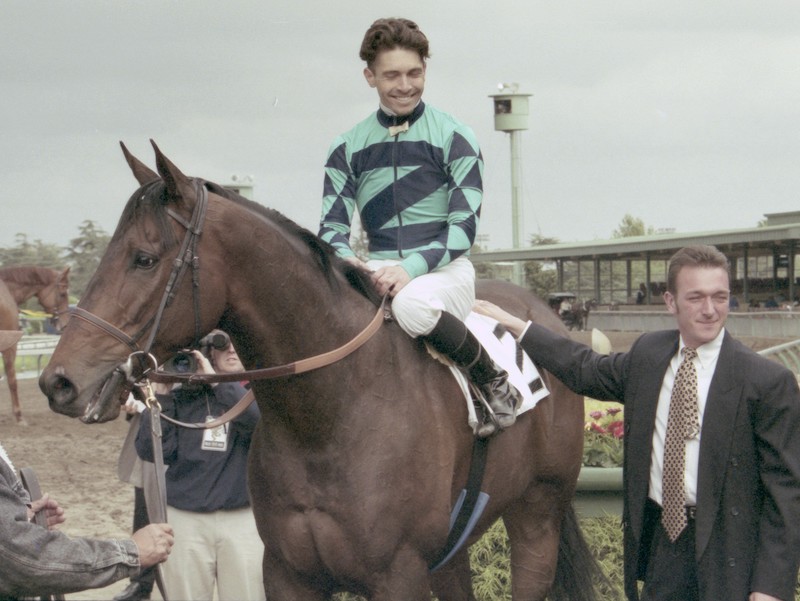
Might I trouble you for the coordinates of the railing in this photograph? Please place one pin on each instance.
(788, 354)
(35, 345)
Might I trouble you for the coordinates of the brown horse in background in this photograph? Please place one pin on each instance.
(354, 467)
(17, 285)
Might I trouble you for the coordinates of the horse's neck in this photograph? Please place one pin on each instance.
(21, 292)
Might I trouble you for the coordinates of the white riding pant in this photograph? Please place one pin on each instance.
(219, 550)
(418, 306)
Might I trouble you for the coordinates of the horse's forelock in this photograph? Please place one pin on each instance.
(151, 200)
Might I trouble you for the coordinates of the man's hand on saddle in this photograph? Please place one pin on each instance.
(390, 280)
(53, 511)
(513, 324)
(154, 543)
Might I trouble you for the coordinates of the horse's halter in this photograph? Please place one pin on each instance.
(53, 310)
(186, 257)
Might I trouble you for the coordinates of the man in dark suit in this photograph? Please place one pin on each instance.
(741, 535)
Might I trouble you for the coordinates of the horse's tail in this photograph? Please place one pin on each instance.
(578, 573)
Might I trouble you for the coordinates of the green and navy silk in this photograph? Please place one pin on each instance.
(418, 192)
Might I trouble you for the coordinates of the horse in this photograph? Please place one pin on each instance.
(578, 315)
(354, 466)
(18, 284)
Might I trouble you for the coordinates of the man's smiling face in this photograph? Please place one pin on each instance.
(399, 77)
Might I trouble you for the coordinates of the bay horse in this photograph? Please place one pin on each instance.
(17, 285)
(354, 467)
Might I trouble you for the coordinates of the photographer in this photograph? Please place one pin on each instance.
(207, 481)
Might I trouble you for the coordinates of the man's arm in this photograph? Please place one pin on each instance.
(338, 200)
(36, 561)
(776, 424)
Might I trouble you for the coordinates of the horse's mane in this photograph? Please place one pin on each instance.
(152, 199)
(27, 275)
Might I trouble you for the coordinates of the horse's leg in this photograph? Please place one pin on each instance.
(406, 579)
(454, 581)
(281, 584)
(534, 527)
(9, 356)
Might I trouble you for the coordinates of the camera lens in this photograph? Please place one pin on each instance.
(220, 341)
(181, 363)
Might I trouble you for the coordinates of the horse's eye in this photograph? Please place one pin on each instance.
(144, 261)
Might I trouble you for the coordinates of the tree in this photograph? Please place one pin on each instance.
(541, 278)
(631, 226)
(84, 254)
(31, 253)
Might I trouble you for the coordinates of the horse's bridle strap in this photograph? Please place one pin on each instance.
(288, 369)
(106, 327)
(297, 367)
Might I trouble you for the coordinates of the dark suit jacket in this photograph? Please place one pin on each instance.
(748, 505)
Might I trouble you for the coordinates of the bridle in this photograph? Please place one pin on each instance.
(186, 258)
(53, 311)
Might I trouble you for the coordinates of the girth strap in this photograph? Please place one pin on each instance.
(473, 504)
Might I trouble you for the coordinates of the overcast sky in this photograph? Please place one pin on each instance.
(685, 114)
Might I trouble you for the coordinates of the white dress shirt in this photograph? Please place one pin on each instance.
(705, 363)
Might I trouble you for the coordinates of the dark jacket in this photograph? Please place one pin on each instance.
(36, 561)
(748, 498)
(199, 479)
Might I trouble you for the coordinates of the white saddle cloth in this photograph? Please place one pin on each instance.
(503, 350)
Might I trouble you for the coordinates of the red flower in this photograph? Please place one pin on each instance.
(617, 428)
(596, 414)
(613, 410)
(598, 428)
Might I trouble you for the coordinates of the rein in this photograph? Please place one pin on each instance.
(269, 373)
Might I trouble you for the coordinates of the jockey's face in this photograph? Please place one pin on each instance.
(399, 77)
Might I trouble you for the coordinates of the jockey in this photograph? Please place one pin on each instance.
(415, 175)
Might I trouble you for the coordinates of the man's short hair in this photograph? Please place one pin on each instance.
(694, 256)
(391, 33)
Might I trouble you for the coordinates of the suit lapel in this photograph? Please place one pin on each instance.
(649, 382)
(719, 419)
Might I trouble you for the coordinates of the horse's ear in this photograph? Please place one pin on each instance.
(142, 173)
(178, 185)
(65, 275)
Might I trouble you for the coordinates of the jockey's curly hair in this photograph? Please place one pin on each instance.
(391, 33)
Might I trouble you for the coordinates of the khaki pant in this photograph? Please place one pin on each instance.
(221, 548)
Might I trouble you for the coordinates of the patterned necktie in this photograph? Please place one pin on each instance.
(683, 424)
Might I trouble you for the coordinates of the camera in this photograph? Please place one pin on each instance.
(183, 362)
(218, 340)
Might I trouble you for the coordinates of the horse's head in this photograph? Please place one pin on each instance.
(54, 298)
(140, 301)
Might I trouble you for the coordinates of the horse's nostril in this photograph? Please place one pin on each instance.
(60, 389)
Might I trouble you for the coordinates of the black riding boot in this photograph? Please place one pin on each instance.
(451, 337)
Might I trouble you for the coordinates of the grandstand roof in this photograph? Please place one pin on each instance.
(780, 235)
